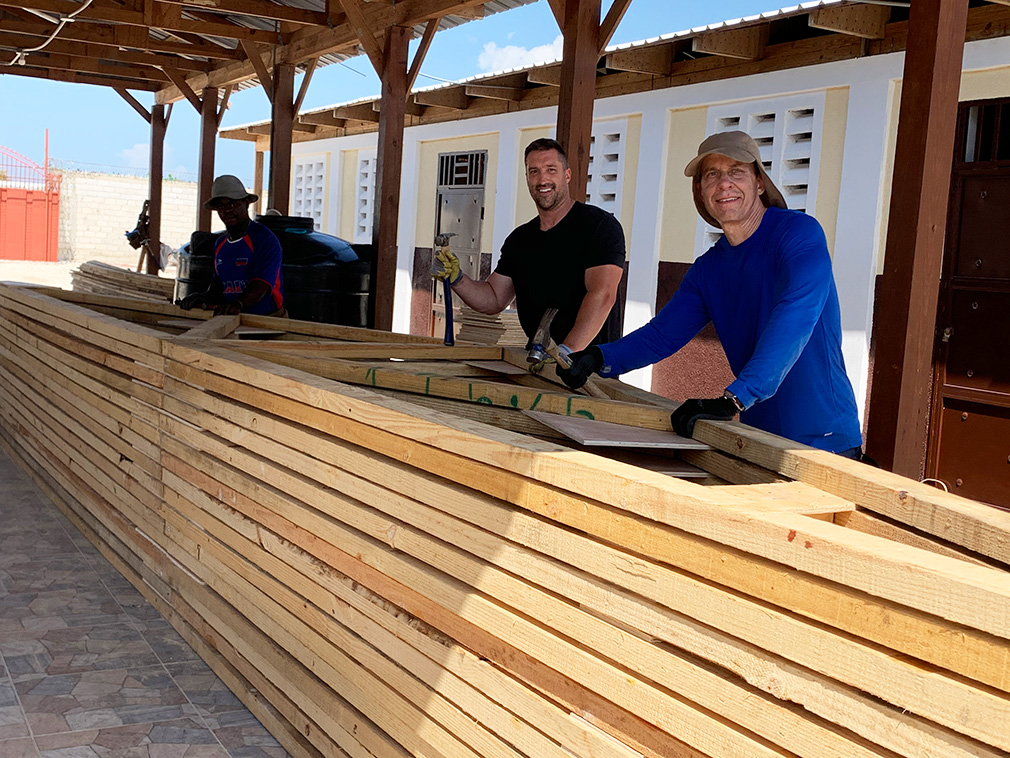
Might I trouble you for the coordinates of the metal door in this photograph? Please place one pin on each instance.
(29, 209)
(969, 443)
(459, 209)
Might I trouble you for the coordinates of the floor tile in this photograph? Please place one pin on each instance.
(77, 649)
(101, 699)
(168, 645)
(12, 718)
(213, 700)
(250, 741)
(20, 748)
(27, 614)
(180, 738)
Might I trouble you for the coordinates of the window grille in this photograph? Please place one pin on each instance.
(462, 169)
(605, 182)
(364, 196)
(788, 133)
(310, 190)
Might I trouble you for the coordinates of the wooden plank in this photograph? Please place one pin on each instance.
(866, 21)
(747, 43)
(969, 524)
(905, 320)
(407, 352)
(594, 433)
(214, 328)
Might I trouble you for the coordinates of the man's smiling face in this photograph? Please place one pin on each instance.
(547, 178)
(730, 189)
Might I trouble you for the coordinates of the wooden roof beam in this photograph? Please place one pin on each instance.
(322, 118)
(255, 57)
(100, 53)
(81, 64)
(448, 97)
(75, 77)
(357, 112)
(257, 8)
(364, 31)
(422, 50)
(866, 21)
(611, 21)
(549, 76)
(746, 44)
(116, 36)
(495, 92)
(135, 104)
(654, 59)
(156, 14)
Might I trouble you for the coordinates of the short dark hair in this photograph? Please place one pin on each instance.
(546, 143)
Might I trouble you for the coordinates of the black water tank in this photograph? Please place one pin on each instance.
(325, 278)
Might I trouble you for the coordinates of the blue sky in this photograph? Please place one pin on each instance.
(94, 128)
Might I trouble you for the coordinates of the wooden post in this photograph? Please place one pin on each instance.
(208, 141)
(156, 169)
(280, 136)
(905, 321)
(258, 182)
(389, 160)
(581, 30)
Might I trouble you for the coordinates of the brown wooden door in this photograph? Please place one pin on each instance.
(969, 444)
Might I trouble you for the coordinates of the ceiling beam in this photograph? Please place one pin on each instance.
(156, 14)
(611, 21)
(180, 81)
(365, 33)
(135, 104)
(357, 112)
(74, 77)
(548, 75)
(255, 57)
(746, 44)
(322, 118)
(101, 53)
(495, 92)
(60, 62)
(257, 8)
(654, 59)
(114, 36)
(448, 97)
(866, 21)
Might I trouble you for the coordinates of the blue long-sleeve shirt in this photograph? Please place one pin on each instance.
(773, 302)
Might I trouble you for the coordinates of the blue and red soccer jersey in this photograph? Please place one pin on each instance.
(257, 255)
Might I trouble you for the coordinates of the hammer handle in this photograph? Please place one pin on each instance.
(450, 338)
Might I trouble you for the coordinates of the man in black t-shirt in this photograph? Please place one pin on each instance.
(569, 257)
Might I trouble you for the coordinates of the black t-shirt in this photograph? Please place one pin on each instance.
(548, 269)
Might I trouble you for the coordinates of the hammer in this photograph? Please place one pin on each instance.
(543, 351)
(442, 243)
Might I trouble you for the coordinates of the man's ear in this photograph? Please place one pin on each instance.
(568, 174)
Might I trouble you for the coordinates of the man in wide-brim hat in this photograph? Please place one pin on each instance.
(247, 258)
(768, 288)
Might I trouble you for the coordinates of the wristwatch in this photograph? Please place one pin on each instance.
(735, 400)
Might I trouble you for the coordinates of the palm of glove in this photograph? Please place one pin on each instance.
(445, 266)
(690, 411)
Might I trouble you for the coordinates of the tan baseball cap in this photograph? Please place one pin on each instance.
(227, 187)
(739, 146)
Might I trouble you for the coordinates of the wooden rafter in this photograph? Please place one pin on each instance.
(323, 118)
(80, 64)
(558, 9)
(75, 77)
(646, 60)
(101, 53)
(495, 92)
(262, 73)
(359, 112)
(224, 103)
(447, 97)
(867, 21)
(257, 8)
(364, 32)
(180, 81)
(747, 43)
(611, 21)
(159, 15)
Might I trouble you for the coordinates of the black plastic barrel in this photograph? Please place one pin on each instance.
(325, 280)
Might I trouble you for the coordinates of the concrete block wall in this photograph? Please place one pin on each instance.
(97, 209)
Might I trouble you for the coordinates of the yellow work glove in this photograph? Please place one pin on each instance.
(445, 266)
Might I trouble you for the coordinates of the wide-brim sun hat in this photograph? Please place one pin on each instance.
(739, 146)
(228, 187)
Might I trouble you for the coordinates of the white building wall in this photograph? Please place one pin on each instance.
(97, 209)
(862, 200)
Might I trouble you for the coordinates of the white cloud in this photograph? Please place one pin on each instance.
(138, 156)
(494, 58)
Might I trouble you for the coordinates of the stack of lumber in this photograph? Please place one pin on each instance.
(376, 577)
(500, 329)
(99, 278)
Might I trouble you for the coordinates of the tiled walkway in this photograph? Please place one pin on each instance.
(88, 669)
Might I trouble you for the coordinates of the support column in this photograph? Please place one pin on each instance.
(581, 30)
(905, 321)
(389, 162)
(280, 136)
(258, 182)
(155, 171)
(208, 142)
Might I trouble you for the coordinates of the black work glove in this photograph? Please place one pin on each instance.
(584, 363)
(193, 300)
(716, 409)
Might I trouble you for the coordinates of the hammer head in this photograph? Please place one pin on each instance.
(542, 337)
(442, 240)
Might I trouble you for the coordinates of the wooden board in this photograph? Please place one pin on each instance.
(593, 433)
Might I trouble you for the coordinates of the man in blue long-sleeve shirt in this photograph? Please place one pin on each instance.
(767, 287)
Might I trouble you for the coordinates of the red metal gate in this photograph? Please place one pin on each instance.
(29, 209)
